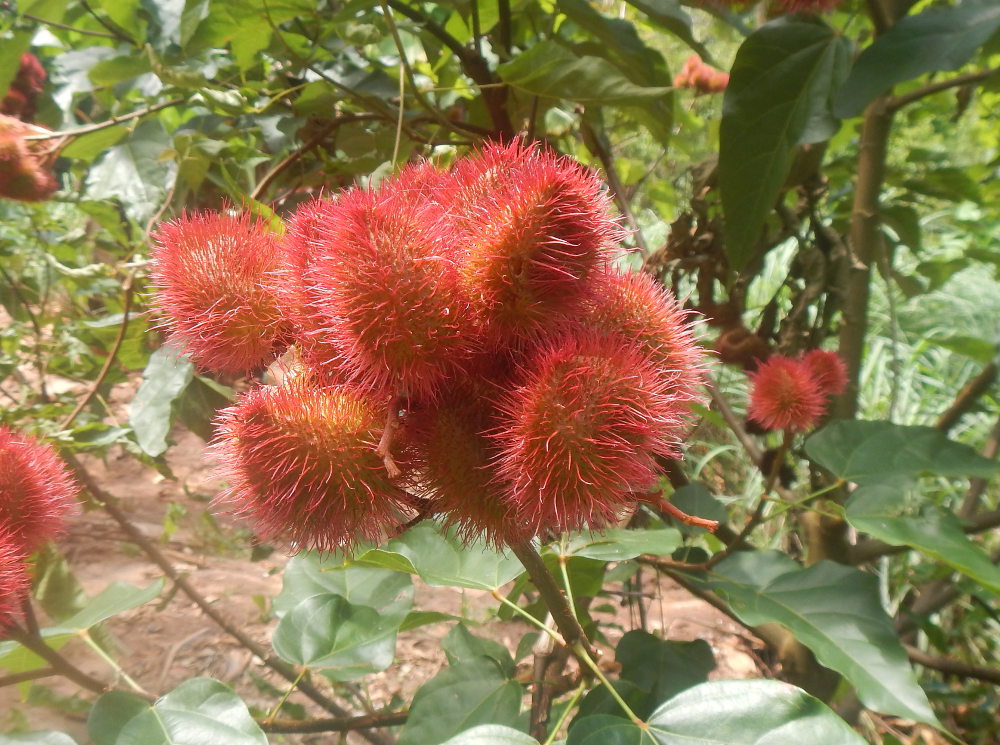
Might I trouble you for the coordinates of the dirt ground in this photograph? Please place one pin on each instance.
(170, 640)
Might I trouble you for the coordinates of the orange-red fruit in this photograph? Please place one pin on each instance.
(634, 306)
(828, 370)
(535, 228)
(14, 583)
(27, 84)
(23, 174)
(384, 288)
(579, 433)
(785, 396)
(452, 458)
(37, 493)
(214, 276)
(300, 462)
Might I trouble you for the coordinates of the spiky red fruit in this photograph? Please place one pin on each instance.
(24, 174)
(24, 89)
(300, 462)
(37, 493)
(452, 457)
(214, 276)
(14, 583)
(536, 228)
(579, 433)
(384, 288)
(634, 306)
(785, 395)
(828, 370)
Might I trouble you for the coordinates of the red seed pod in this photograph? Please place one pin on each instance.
(634, 306)
(452, 457)
(828, 370)
(24, 89)
(578, 435)
(535, 228)
(14, 580)
(37, 493)
(300, 462)
(214, 276)
(384, 289)
(24, 173)
(785, 396)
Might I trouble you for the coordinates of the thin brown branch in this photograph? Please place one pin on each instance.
(64, 27)
(110, 505)
(897, 102)
(556, 602)
(28, 675)
(111, 122)
(723, 407)
(977, 485)
(967, 397)
(338, 724)
(950, 666)
(111, 356)
(599, 147)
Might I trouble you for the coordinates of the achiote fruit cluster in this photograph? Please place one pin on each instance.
(455, 342)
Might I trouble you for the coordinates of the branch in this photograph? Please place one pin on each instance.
(949, 666)
(967, 397)
(14, 679)
(87, 129)
(64, 27)
(570, 629)
(895, 103)
(599, 147)
(112, 354)
(338, 724)
(110, 505)
(753, 450)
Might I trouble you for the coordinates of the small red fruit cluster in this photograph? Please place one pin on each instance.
(793, 393)
(453, 342)
(37, 494)
(703, 78)
(28, 83)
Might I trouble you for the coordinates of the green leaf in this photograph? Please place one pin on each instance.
(10, 56)
(164, 379)
(116, 598)
(473, 692)
(606, 729)
(664, 668)
(134, 172)
(550, 70)
(835, 611)
(618, 545)
(747, 712)
(47, 737)
(344, 640)
(309, 574)
(198, 711)
(492, 734)
(668, 15)
(460, 644)
(441, 559)
(863, 452)
(969, 346)
(778, 98)
(876, 510)
(936, 39)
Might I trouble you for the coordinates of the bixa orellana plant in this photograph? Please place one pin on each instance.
(453, 342)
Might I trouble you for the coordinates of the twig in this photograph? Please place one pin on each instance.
(114, 120)
(895, 103)
(949, 666)
(64, 27)
(977, 485)
(339, 724)
(753, 450)
(110, 505)
(967, 397)
(112, 354)
(596, 144)
(570, 629)
(28, 675)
